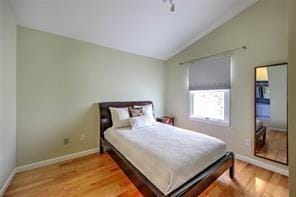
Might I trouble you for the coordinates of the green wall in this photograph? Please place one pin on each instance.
(292, 96)
(263, 29)
(59, 82)
(7, 92)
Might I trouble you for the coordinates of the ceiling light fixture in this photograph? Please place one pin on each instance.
(172, 5)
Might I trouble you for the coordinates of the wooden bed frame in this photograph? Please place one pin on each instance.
(193, 187)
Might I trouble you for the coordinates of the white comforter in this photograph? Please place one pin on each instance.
(168, 156)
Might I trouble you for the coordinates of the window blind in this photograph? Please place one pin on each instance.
(210, 74)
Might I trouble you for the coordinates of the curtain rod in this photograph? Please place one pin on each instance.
(213, 55)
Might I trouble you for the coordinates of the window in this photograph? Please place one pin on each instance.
(209, 87)
(210, 105)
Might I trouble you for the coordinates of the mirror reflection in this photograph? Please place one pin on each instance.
(271, 130)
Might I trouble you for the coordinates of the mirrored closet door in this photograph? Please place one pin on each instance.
(271, 123)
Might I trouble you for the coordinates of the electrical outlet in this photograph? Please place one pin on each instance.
(247, 142)
(66, 141)
(82, 137)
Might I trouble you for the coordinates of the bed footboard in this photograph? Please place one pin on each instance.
(192, 187)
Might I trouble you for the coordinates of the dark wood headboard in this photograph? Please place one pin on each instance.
(105, 114)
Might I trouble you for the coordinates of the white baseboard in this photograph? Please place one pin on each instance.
(262, 164)
(7, 182)
(278, 129)
(54, 160)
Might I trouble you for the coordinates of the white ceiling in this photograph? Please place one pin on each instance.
(143, 27)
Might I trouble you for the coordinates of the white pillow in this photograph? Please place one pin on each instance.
(119, 117)
(148, 111)
(140, 122)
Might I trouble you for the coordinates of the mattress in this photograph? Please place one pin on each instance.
(168, 156)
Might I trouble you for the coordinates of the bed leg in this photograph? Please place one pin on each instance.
(232, 170)
(101, 147)
(264, 139)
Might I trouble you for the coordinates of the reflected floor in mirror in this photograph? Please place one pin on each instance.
(275, 146)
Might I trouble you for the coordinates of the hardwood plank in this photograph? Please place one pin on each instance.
(99, 175)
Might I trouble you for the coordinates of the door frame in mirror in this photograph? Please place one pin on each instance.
(254, 97)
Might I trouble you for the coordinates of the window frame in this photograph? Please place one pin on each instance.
(225, 122)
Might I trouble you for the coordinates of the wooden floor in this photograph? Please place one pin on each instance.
(99, 175)
(275, 147)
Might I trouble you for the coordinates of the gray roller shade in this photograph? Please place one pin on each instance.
(210, 74)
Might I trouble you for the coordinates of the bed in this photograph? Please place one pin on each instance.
(164, 160)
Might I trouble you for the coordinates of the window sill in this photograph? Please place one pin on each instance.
(211, 122)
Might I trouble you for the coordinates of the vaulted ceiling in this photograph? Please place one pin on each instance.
(143, 27)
